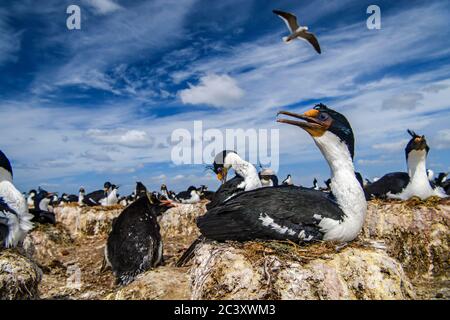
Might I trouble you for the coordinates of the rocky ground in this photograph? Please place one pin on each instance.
(402, 253)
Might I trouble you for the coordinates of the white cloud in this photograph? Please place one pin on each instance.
(96, 155)
(130, 138)
(403, 101)
(103, 6)
(391, 146)
(215, 90)
(128, 35)
(443, 139)
(10, 40)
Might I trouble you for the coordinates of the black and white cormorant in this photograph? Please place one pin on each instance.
(72, 198)
(315, 185)
(111, 196)
(41, 211)
(205, 193)
(165, 192)
(190, 196)
(30, 198)
(443, 182)
(405, 185)
(134, 244)
(246, 177)
(69, 198)
(15, 220)
(288, 181)
(295, 213)
(96, 198)
(268, 178)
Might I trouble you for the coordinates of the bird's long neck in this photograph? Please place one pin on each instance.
(344, 185)
(417, 166)
(112, 195)
(5, 175)
(244, 169)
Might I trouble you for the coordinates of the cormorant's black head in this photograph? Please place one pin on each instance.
(44, 194)
(416, 143)
(32, 192)
(191, 188)
(321, 119)
(442, 176)
(218, 165)
(107, 186)
(163, 187)
(82, 190)
(5, 164)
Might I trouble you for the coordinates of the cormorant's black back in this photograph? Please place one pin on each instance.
(393, 182)
(225, 191)
(93, 198)
(288, 206)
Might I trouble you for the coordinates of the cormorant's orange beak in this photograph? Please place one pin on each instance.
(312, 124)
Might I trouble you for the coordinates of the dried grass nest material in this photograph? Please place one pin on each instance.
(19, 276)
(414, 202)
(94, 208)
(289, 250)
(56, 233)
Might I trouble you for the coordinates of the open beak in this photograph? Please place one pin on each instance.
(222, 175)
(311, 124)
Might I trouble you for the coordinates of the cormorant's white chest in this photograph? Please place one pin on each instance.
(419, 184)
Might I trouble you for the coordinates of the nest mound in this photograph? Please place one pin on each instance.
(85, 220)
(401, 253)
(280, 270)
(163, 283)
(414, 232)
(19, 276)
(46, 243)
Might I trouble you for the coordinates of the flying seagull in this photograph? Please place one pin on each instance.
(296, 30)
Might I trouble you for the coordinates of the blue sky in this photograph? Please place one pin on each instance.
(85, 106)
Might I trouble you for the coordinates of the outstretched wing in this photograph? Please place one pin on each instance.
(311, 38)
(289, 19)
